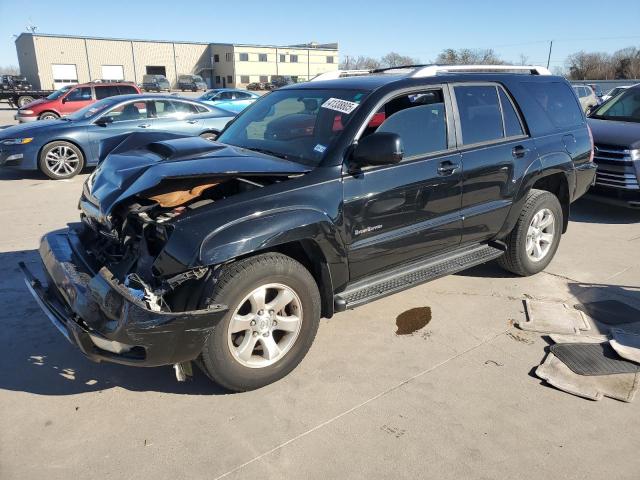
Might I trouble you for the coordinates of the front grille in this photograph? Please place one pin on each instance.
(615, 168)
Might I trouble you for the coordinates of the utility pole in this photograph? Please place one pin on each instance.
(549, 57)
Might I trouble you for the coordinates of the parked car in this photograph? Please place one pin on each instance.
(229, 99)
(191, 82)
(321, 197)
(256, 86)
(279, 81)
(70, 99)
(61, 148)
(613, 92)
(597, 90)
(587, 97)
(155, 83)
(616, 133)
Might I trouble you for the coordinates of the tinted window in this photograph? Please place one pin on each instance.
(106, 91)
(127, 90)
(480, 118)
(225, 96)
(184, 108)
(512, 124)
(242, 95)
(419, 120)
(164, 108)
(127, 112)
(79, 94)
(557, 101)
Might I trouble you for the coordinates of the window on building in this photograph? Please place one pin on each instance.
(283, 58)
(229, 79)
(293, 58)
(228, 57)
(218, 79)
(216, 58)
(244, 57)
(330, 59)
(244, 79)
(419, 119)
(262, 57)
(264, 78)
(480, 117)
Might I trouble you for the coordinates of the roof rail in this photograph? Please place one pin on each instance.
(334, 74)
(433, 70)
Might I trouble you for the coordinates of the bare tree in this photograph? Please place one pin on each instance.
(523, 60)
(9, 70)
(393, 59)
(359, 63)
(468, 56)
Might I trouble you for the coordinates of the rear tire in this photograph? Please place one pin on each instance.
(60, 160)
(249, 349)
(534, 240)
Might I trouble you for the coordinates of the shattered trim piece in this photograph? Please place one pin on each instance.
(626, 344)
(621, 387)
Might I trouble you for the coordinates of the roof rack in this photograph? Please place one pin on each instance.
(433, 70)
(339, 74)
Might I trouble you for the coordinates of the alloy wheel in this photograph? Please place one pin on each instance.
(540, 235)
(62, 160)
(265, 325)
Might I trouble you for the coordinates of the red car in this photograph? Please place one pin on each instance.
(71, 98)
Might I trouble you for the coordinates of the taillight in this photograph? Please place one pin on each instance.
(592, 144)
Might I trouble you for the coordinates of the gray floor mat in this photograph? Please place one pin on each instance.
(621, 387)
(610, 312)
(592, 359)
(552, 317)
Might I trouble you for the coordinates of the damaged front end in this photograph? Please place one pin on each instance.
(112, 289)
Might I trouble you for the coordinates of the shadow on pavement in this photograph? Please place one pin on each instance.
(588, 210)
(37, 359)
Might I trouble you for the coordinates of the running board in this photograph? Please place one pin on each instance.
(386, 283)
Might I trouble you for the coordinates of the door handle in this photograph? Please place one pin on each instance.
(192, 121)
(144, 125)
(448, 168)
(519, 151)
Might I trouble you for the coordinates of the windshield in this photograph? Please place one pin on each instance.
(624, 107)
(298, 125)
(92, 110)
(59, 93)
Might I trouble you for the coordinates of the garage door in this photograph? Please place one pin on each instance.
(64, 75)
(112, 72)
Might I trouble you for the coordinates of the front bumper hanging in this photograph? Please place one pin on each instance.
(104, 319)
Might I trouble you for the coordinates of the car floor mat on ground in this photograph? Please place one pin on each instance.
(580, 338)
(610, 312)
(620, 386)
(626, 344)
(552, 317)
(592, 359)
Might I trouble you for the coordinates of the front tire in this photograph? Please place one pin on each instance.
(534, 240)
(273, 317)
(60, 160)
(48, 116)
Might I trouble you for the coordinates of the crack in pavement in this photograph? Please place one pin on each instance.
(360, 405)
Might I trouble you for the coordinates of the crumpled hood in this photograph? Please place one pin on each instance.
(610, 132)
(137, 165)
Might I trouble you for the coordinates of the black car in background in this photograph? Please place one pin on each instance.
(192, 82)
(319, 198)
(616, 134)
(155, 83)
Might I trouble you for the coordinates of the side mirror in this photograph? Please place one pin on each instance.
(103, 121)
(380, 148)
(64, 100)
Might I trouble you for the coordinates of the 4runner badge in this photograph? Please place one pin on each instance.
(367, 230)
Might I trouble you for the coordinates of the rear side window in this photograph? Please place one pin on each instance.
(558, 103)
(106, 91)
(512, 125)
(480, 117)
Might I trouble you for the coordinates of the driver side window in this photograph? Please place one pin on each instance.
(127, 112)
(79, 95)
(418, 118)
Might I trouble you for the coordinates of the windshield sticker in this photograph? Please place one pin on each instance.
(319, 148)
(342, 106)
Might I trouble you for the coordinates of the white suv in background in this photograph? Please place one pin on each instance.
(587, 96)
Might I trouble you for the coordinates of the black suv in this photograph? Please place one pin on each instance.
(318, 198)
(616, 133)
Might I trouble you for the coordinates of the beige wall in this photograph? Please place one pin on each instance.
(36, 54)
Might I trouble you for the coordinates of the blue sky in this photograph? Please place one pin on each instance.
(419, 28)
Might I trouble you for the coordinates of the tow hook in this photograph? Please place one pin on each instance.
(183, 370)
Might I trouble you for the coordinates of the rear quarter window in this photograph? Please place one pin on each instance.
(558, 103)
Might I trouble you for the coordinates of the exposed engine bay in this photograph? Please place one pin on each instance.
(137, 231)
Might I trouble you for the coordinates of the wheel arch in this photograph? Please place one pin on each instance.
(74, 143)
(49, 110)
